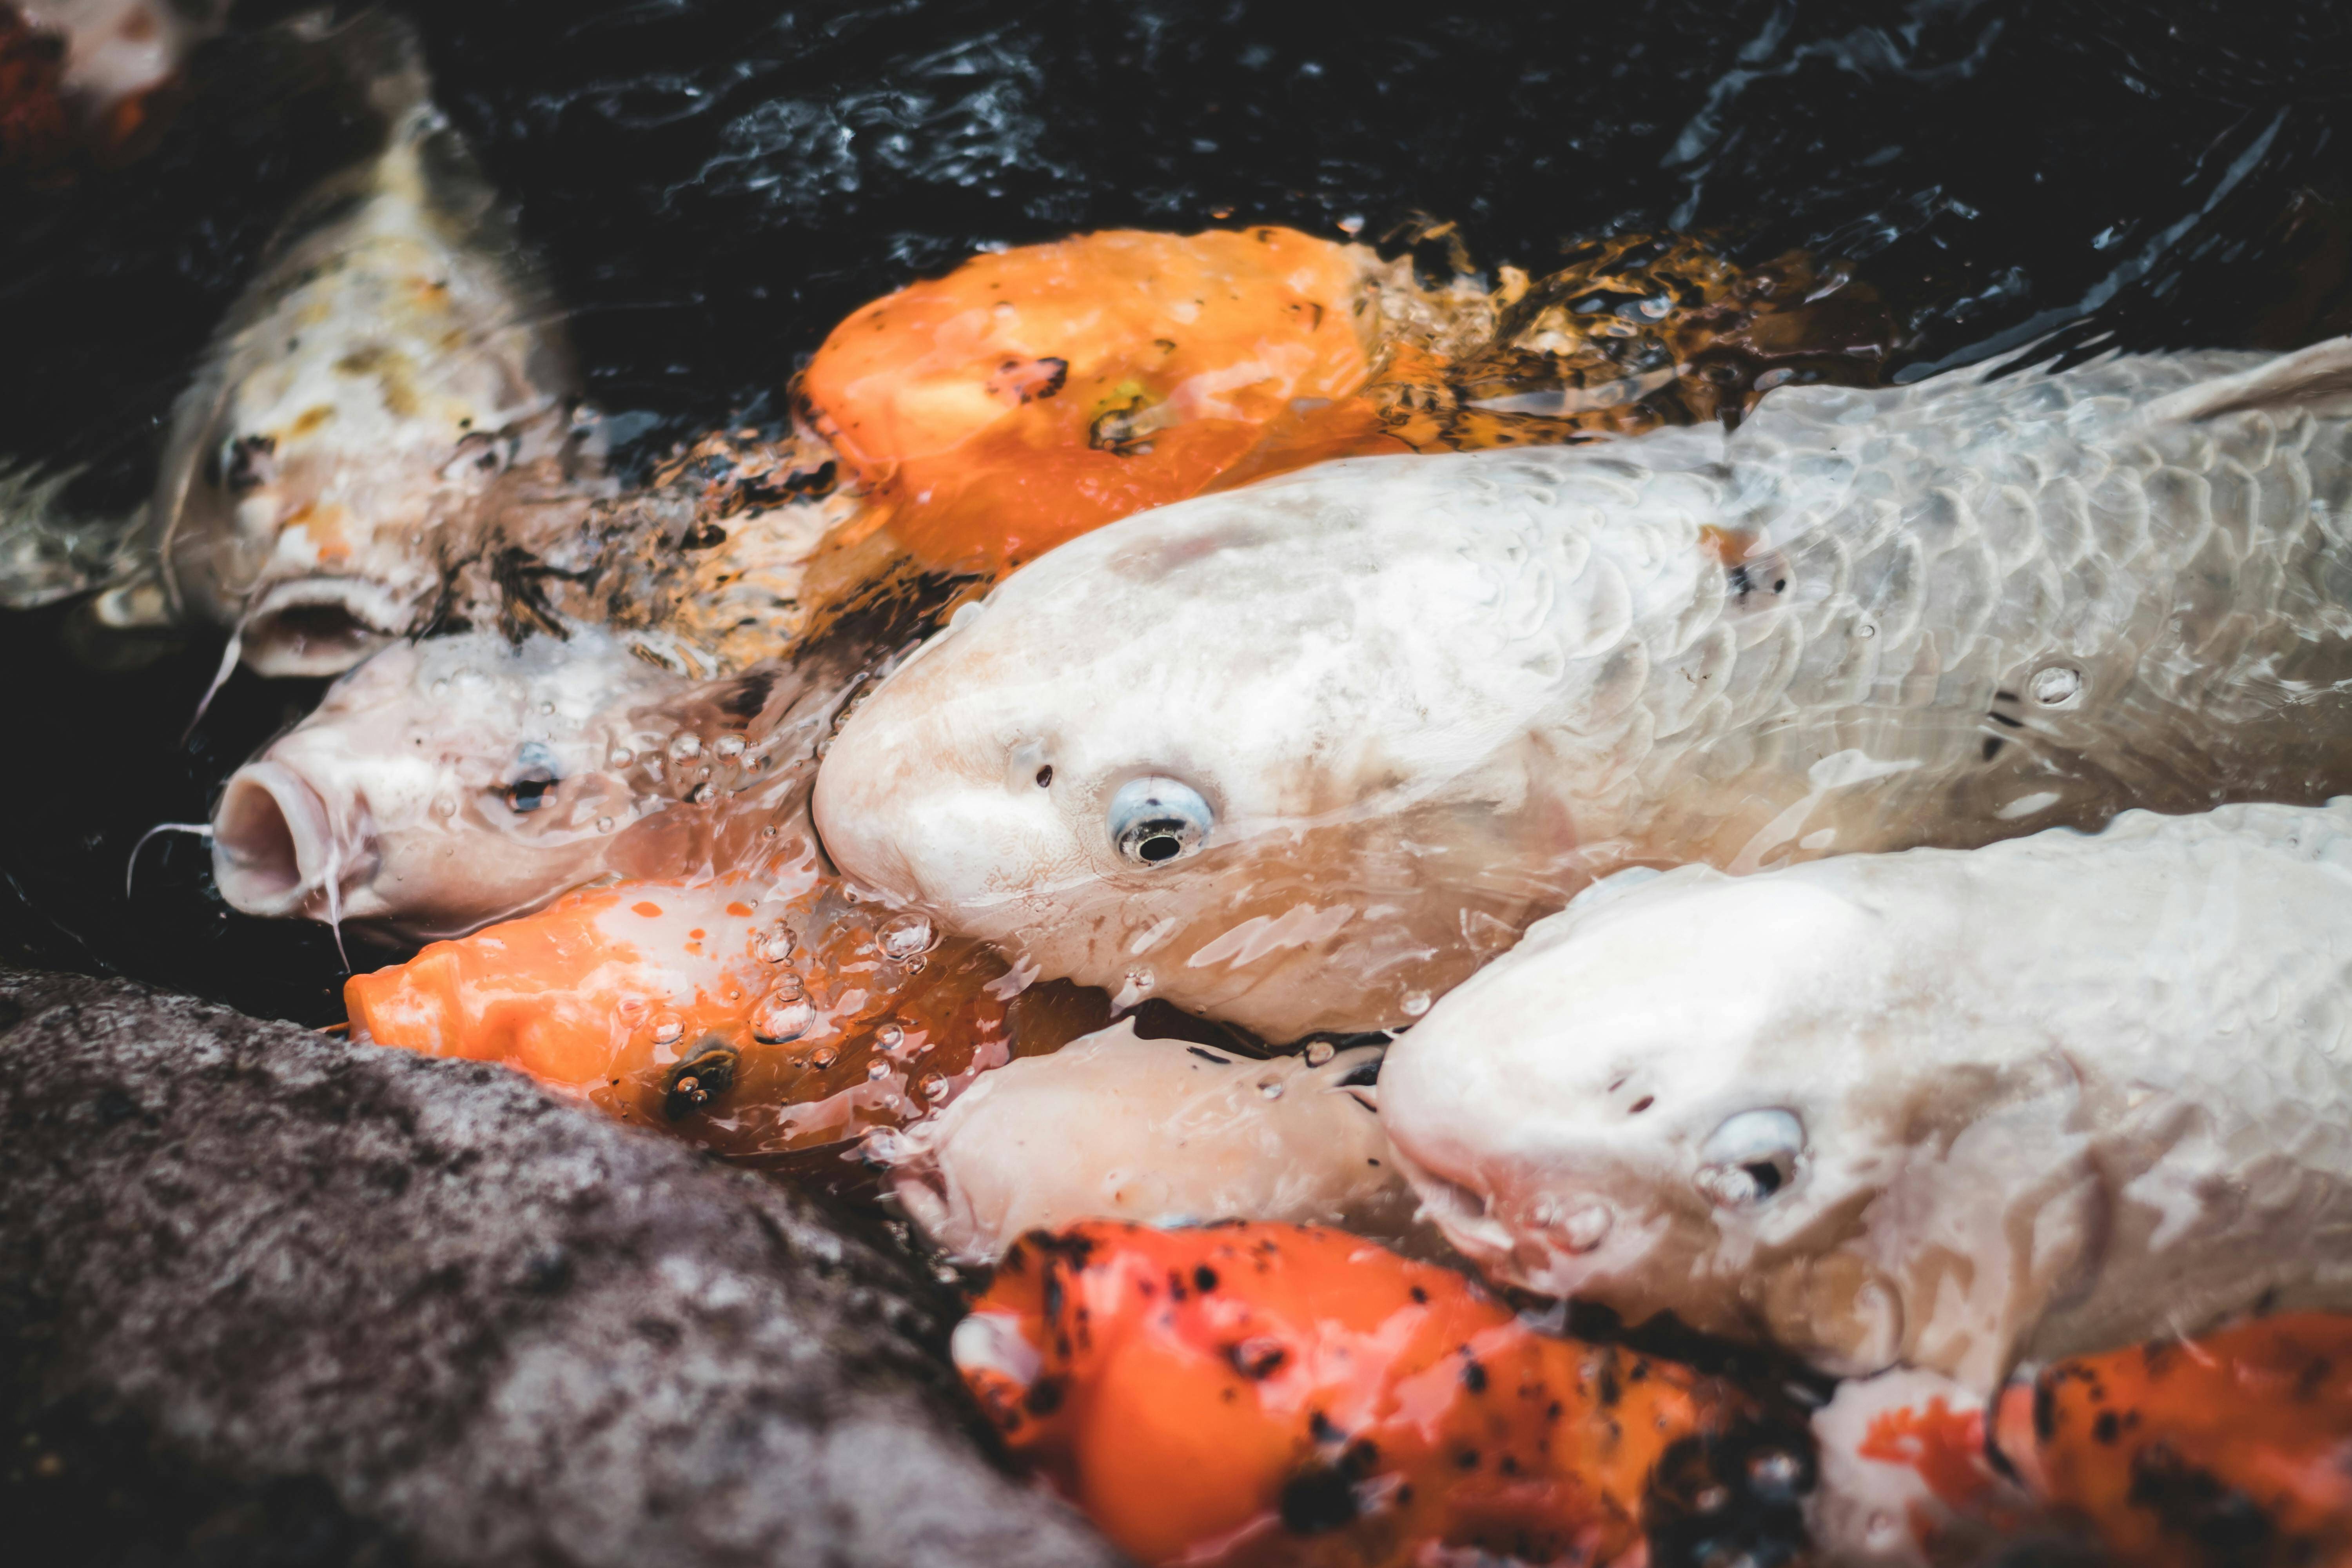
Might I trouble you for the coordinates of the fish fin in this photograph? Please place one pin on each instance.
(2318, 378)
(46, 553)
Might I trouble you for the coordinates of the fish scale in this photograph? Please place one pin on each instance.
(2181, 571)
(1939, 614)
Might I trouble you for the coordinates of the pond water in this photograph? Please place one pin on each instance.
(712, 186)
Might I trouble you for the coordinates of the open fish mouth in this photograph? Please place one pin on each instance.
(274, 846)
(321, 626)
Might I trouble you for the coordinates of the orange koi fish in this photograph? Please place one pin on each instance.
(2229, 1448)
(1033, 394)
(1261, 1393)
(760, 1016)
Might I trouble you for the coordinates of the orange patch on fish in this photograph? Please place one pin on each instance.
(1272, 1393)
(2229, 1447)
(1031, 395)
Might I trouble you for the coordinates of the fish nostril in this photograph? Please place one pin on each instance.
(271, 840)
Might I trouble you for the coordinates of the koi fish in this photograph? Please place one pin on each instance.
(759, 1016)
(2224, 1448)
(1160, 1132)
(1947, 1110)
(449, 782)
(1273, 1394)
(389, 408)
(1303, 756)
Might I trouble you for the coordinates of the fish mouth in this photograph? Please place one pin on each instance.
(274, 843)
(321, 626)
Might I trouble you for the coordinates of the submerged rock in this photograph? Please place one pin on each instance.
(267, 1297)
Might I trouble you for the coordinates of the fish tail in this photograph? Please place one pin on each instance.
(2317, 379)
(47, 553)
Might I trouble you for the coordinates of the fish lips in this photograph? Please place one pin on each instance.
(277, 848)
(321, 626)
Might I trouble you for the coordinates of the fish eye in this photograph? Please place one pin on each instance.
(240, 463)
(1156, 819)
(1751, 1157)
(531, 791)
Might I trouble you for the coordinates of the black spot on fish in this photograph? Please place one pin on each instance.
(1208, 1056)
(703, 534)
(1999, 718)
(1256, 1358)
(1363, 1075)
(1045, 1397)
(1993, 746)
(1205, 1279)
(743, 696)
(1317, 1500)
(2106, 1428)
(1319, 1425)
(704, 1076)
(1474, 1377)
(2223, 1523)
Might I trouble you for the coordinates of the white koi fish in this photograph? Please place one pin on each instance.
(1305, 755)
(1945, 1109)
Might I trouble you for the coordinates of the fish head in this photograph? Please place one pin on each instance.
(1266, 755)
(1755, 1103)
(445, 783)
(390, 401)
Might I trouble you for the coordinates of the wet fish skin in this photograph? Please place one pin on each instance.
(2056, 1095)
(1428, 698)
(391, 401)
(1150, 1131)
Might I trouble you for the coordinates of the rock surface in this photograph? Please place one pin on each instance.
(266, 1298)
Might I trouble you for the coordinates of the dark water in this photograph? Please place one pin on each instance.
(712, 185)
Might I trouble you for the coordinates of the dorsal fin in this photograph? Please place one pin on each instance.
(2318, 378)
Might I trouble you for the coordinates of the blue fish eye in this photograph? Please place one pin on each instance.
(1155, 820)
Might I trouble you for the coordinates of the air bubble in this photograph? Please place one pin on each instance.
(1271, 1088)
(823, 1056)
(877, 1072)
(788, 985)
(1866, 629)
(668, 1031)
(1319, 1053)
(686, 744)
(603, 825)
(619, 757)
(775, 947)
(730, 746)
(906, 936)
(2056, 686)
(1415, 1004)
(782, 1016)
(934, 1086)
(545, 709)
(444, 808)
(700, 794)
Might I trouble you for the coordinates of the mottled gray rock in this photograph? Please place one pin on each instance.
(269, 1297)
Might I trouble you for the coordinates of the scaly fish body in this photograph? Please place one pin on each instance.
(1407, 705)
(1946, 1109)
